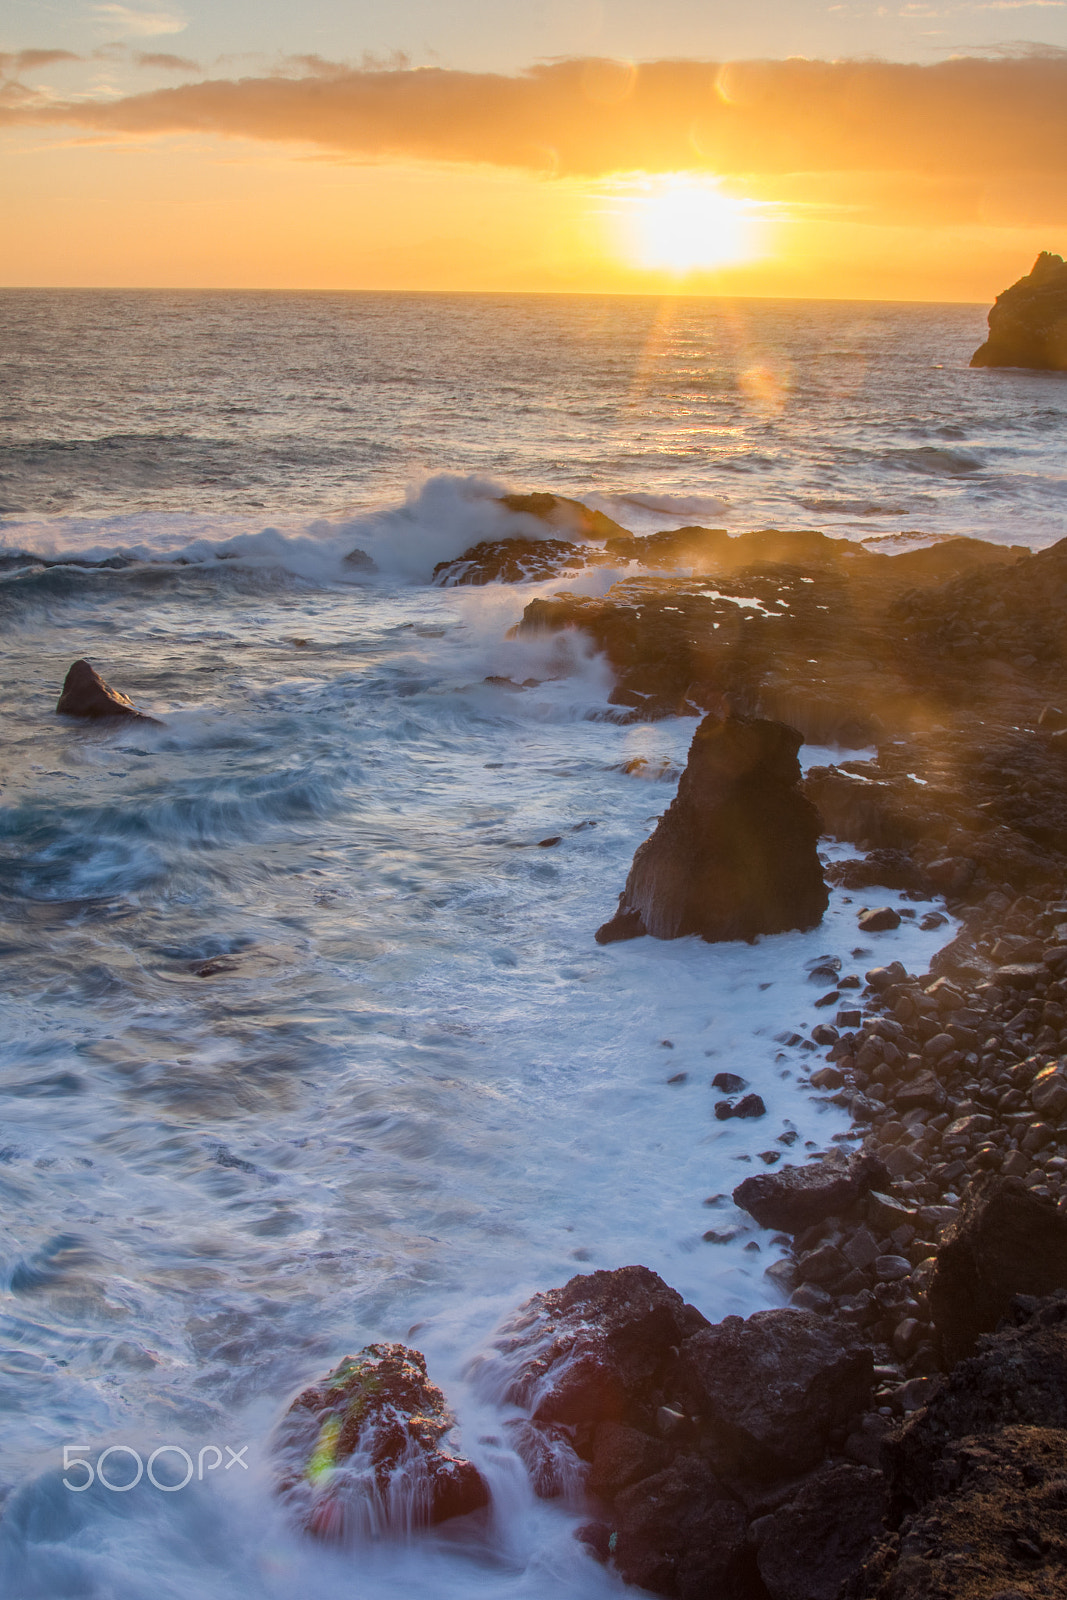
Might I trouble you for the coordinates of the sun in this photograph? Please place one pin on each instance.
(684, 224)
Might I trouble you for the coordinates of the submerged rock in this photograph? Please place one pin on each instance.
(1028, 323)
(85, 694)
(1007, 1241)
(367, 1450)
(735, 855)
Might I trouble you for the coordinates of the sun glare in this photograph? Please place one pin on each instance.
(686, 225)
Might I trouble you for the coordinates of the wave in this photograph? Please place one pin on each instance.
(438, 520)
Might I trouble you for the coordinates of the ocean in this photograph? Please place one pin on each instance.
(304, 1039)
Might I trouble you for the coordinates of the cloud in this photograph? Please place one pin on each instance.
(143, 24)
(11, 65)
(165, 61)
(963, 118)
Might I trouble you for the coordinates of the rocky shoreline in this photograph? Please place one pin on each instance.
(876, 1439)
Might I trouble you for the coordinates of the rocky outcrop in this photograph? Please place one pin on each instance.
(977, 1477)
(1007, 1241)
(735, 855)
(510, 561)
(85, 694)
(688, 1433)
(365, 1452)
(1028, 323)
(795, 1198)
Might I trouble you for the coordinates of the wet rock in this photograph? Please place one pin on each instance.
(366, 1450)
(728, 1082)
(795, 1198)
(770, 1390)
(509, 561)
(750, 1105)
(807, 1548)
(1006, 1241)
(85, 694)
(1028, 323)
(598, 1351)
(880, 920)
(735, 855)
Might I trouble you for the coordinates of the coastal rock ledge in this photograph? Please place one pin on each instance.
(736, 853)
(1028, 323)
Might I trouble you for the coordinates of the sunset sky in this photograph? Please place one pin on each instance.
(914, 151)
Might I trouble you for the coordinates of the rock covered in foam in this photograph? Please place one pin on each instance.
(86, 694)
(365, 1452)
(1028, 323)
(736, 853)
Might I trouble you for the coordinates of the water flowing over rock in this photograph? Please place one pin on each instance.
(85, 694)
(735, 855)
(1028, 323)
(365, 1451)
(680, 1427)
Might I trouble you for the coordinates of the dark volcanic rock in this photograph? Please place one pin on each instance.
(366, 1451)
(794, 1198)
(1028, 323)
(85, 694)
(807, 1549)
(735, 855)
(997, 1533)
(1019, 1376)
(681, 1534)
(509, 561)
(596, 1350)
(770, 1390)
(1007, 1241)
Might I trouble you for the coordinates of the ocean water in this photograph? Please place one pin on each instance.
(304, 1037)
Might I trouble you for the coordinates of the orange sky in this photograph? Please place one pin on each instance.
(866, 179)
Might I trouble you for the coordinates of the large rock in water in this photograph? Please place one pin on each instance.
(365, 1452)
(736, 854)
(798, 1197)
(1028, 323)
(1005, 1242)
(85, 694)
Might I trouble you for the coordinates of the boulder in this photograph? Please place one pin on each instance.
(598, 1351)
(1028, 323)
(85, 694)
(736, 853)
(365, 1452)
(1006, 1241)
(681, 1534)
(807, 1548)
(769, 1390)
(795, 1198)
